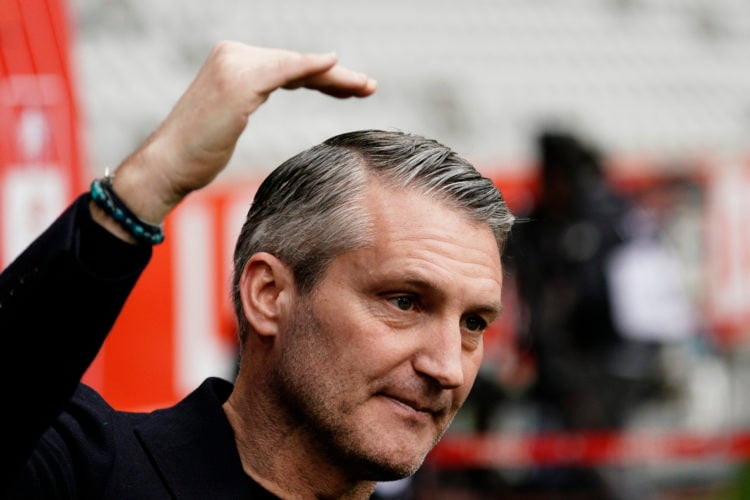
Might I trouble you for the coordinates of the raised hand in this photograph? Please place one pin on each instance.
(196, 140)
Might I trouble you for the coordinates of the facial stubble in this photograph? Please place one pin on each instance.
(310, 406)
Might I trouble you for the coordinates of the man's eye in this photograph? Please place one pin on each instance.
(476, 324)
(403, 302)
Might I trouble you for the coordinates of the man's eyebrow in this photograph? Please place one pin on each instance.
(492, 308)
(420, 282)
(494, 311)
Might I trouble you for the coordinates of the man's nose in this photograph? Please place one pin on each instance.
(440, 355)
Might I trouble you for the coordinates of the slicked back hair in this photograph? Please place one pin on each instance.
(311, 208)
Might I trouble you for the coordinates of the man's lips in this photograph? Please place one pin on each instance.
(414, 404)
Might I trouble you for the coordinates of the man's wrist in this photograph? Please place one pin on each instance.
(140, 183)
(105, 197)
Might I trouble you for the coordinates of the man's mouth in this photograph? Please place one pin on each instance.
(413, 405)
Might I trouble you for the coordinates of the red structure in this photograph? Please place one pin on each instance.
(40, 154)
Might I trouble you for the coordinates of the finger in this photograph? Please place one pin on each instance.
(289, 67)
(338, 82)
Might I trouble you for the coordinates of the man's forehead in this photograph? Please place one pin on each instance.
(382, 195)
(413, 209)
(412, 230)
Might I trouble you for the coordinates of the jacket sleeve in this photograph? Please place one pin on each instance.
(58, 301)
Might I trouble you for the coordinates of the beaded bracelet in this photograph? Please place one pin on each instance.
(106, 198)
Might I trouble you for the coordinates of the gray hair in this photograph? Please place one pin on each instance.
(310, 209)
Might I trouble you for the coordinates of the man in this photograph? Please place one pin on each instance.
(365, 274)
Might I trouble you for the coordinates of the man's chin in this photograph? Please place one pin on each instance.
(387, 466)
(389, 471)
(394, 456)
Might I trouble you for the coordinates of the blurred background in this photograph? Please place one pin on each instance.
(616, 129)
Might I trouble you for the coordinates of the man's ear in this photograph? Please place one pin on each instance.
(266, 290)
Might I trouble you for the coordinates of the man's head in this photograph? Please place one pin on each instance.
(367, 272)
(310, 209)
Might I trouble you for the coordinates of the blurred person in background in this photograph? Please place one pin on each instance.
(598, 294)
(366, 272)
(560, 256)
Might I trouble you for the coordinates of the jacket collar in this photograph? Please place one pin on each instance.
(193, 447)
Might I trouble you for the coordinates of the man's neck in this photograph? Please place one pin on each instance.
(279, 457)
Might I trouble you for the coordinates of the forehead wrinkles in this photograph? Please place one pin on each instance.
(435, 252)
(397, 215)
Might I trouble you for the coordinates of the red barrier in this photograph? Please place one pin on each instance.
(588, 449)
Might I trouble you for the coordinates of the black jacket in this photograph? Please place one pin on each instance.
(58, 301)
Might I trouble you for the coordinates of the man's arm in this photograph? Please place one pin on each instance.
(60, 297)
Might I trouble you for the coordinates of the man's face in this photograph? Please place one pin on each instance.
(377, 359)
